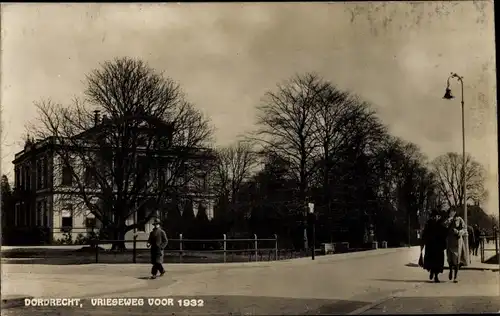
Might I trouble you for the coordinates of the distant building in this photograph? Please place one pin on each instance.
(44, 198)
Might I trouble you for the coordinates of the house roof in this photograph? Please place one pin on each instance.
(34, 147)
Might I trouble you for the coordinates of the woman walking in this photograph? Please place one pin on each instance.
(455, 251)
(434, 242)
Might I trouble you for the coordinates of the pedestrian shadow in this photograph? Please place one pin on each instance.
(144, 278)
(412, 265)
(403, 281)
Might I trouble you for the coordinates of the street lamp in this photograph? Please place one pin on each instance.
(449, 96)
(313, 223)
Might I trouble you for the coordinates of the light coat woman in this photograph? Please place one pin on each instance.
(455, 250)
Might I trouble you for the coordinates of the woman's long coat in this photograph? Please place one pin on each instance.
(434, 241)
(455, 251)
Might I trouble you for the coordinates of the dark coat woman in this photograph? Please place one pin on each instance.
(434, 243)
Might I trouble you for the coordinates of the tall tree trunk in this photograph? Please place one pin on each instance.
(118, 236)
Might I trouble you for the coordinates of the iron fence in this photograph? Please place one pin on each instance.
(256, 249)
(489, 246)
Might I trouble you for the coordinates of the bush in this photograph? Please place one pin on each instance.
(80, 239)
(67, 239)
(86, 239)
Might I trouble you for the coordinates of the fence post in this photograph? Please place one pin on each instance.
(256, 247)
(495, 234)
(495, 238)
(134, 250)
(225, 246)
(96, 251)
(180, 248)
(482, 245)
(275, 247)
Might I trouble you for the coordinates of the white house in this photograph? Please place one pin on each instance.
(46, 196)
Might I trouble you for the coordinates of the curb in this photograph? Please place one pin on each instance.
(481, 269)
(496, 269)
(378, 302)
(14, 302)
(367, 307)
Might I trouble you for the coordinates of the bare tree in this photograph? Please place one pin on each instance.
(5, 149)
(448, 170)
(139, 156)
(234, 165)
(343, 123)
(286, 121)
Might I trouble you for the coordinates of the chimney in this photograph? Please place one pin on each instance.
(96, 117)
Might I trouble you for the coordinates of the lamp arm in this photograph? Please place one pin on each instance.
(455, 75)
(459, 79)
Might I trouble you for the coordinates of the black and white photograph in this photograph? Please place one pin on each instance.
(245, 158)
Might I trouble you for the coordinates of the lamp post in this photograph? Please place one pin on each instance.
(449, 96)
(313, 224)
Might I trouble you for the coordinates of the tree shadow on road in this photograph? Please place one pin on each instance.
(403, 280)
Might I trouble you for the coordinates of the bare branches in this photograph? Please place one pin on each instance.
(311, 124)
(448, 169)
(129, 87)
(286, 121)
(234, 165)
(140, 149)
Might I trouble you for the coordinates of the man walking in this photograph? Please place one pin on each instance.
(477, 242)
(157, 241)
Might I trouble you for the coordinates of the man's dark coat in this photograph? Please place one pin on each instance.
(158, 241)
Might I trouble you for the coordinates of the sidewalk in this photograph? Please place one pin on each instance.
(475, 265)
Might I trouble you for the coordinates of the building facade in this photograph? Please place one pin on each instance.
(45, 195)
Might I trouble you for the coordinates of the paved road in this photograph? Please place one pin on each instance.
(339, 284)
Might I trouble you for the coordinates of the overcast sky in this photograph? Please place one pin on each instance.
(396, 56)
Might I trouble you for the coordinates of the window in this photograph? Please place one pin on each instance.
(90, 222)
(39, 174)
(140, 216)
(45, 172)
(143, 171)
(46, 219)
(67, 175)
(17, 183)
(90, 177)
(161, 178)
(202, 182)
(164, 176)
(40, 213)
(67, 218)
(17, 215)
(181, 174)
(27, 178)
